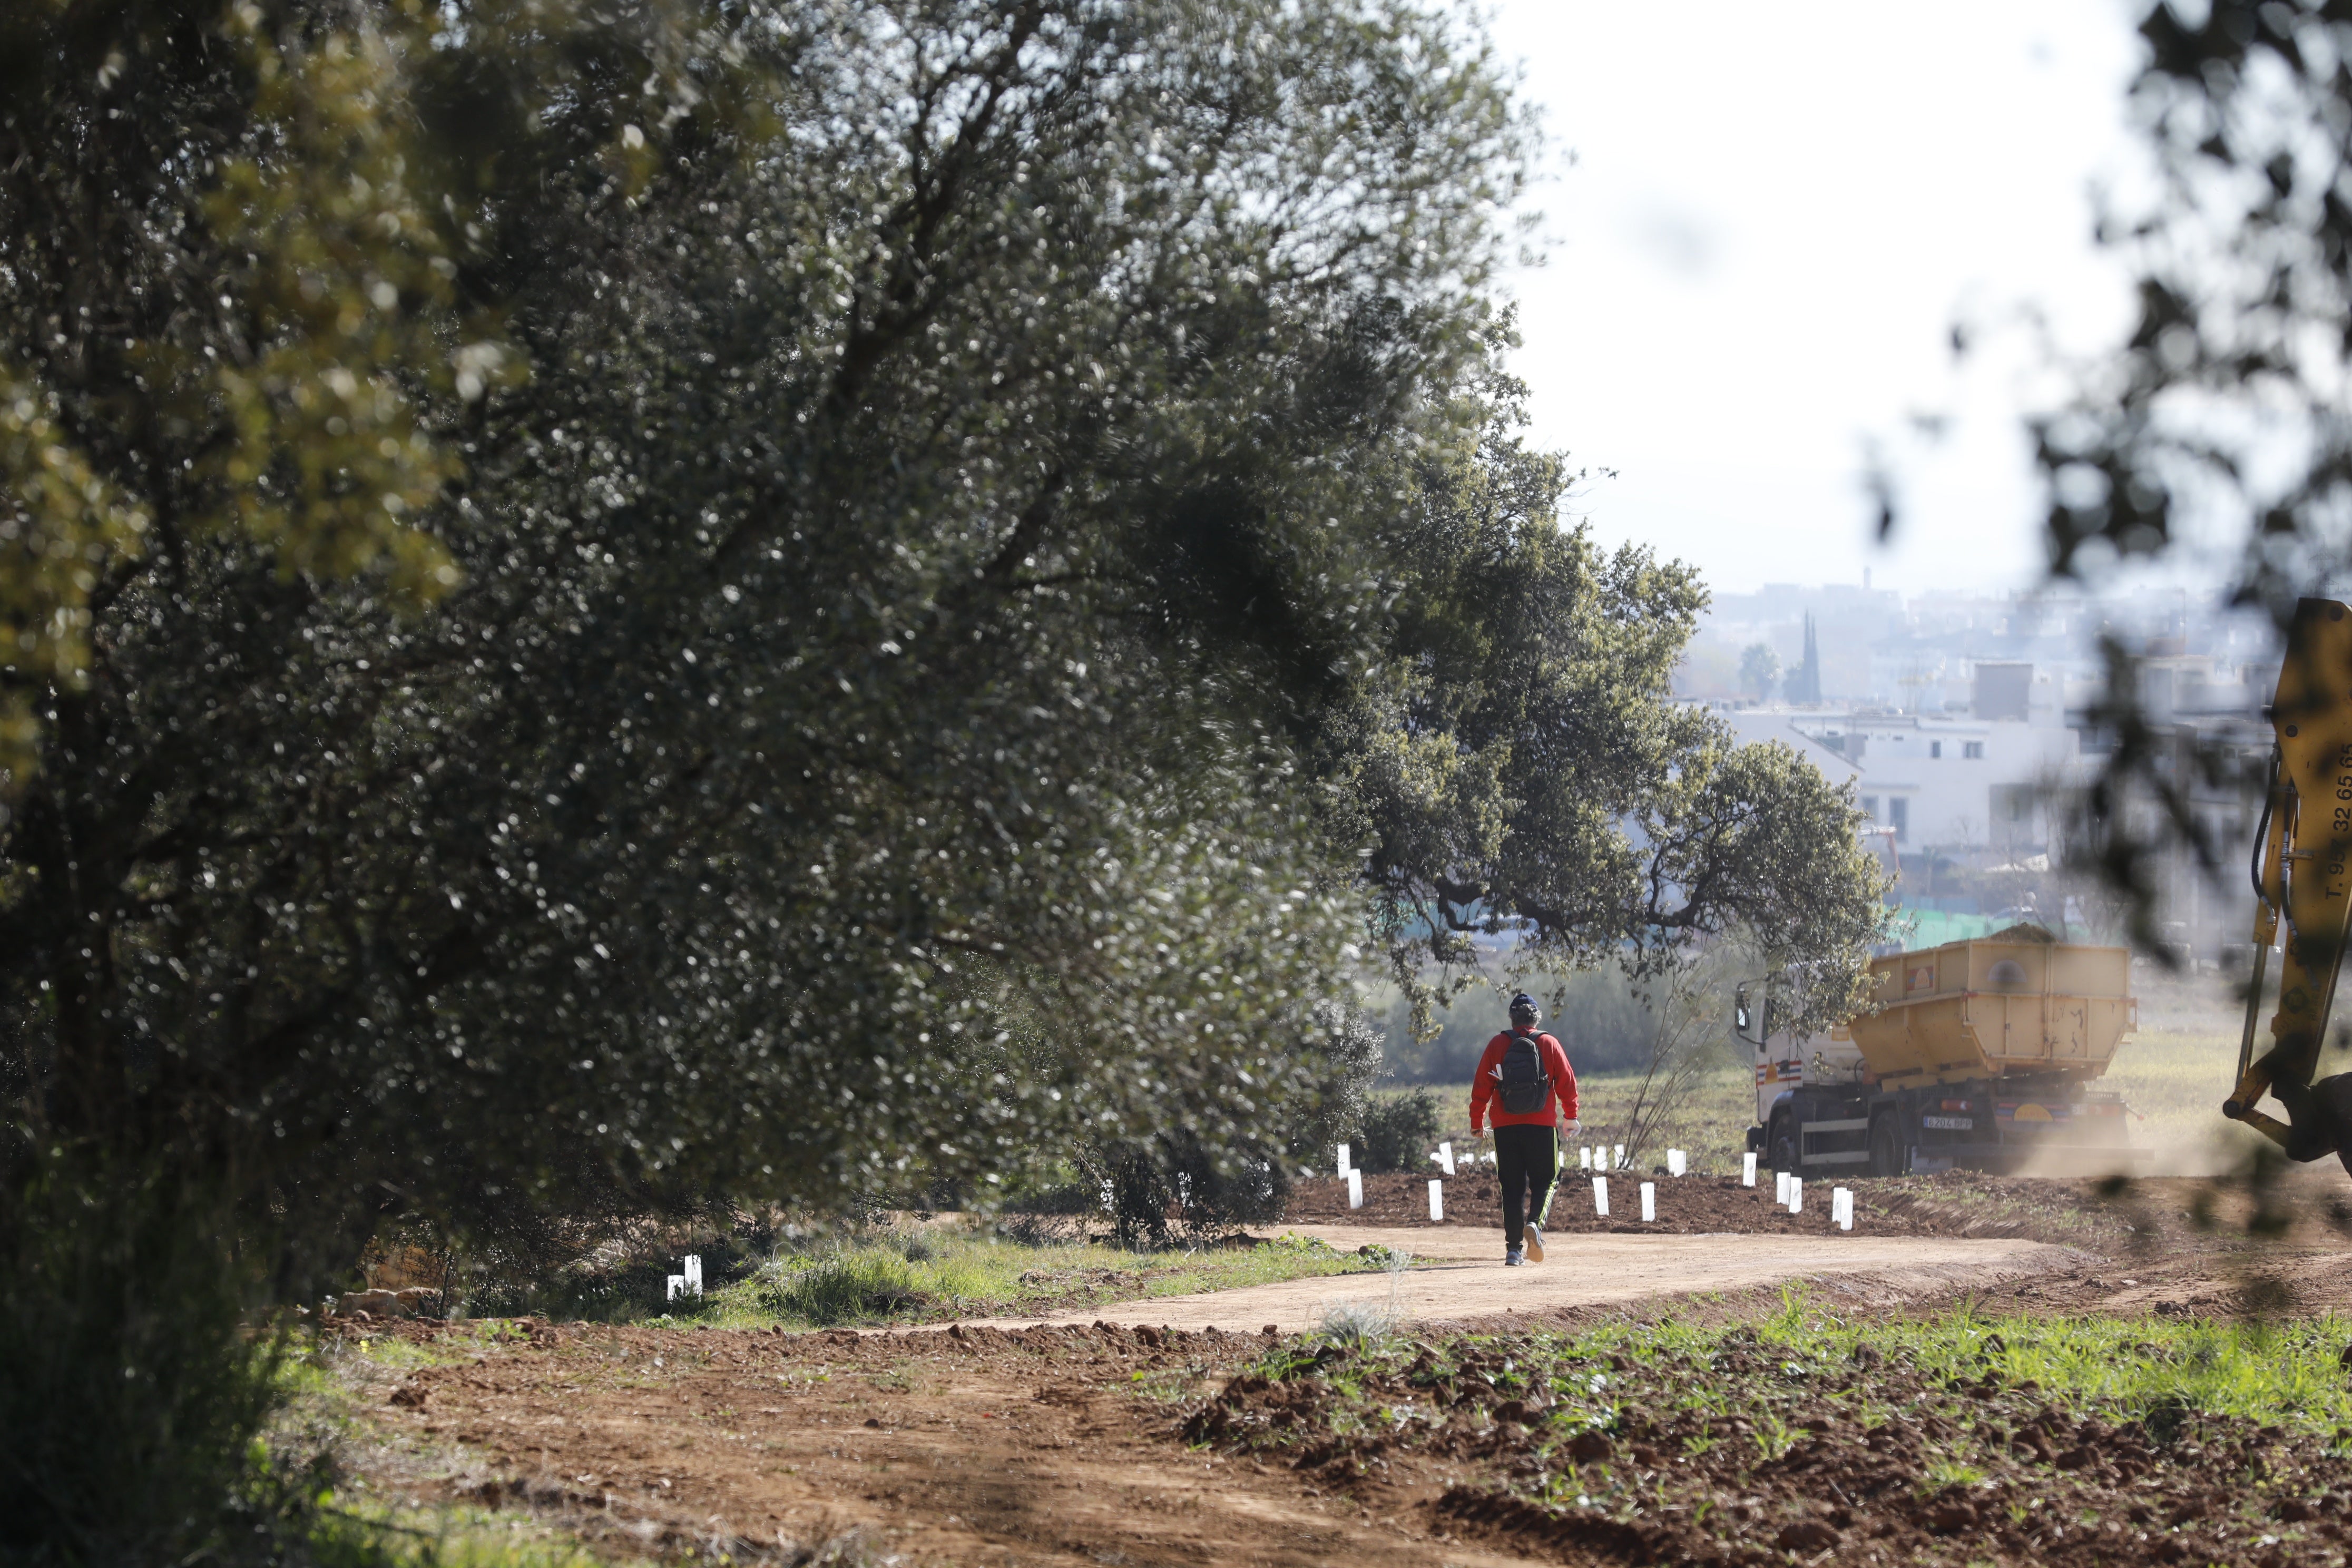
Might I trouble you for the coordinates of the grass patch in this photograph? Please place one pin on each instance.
(359, 1533)
(2285, 1374)
(930, 1276)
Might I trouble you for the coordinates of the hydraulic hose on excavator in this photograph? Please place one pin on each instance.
(2302, 876)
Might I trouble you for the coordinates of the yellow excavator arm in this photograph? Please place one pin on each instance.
(2303, 877)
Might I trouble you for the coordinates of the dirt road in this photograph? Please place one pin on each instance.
(1048, 1442)
(963, 1448)
(1458, 1279)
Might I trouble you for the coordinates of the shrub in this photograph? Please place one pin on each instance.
(843, 1286)
(1246, 1181)
(1176, 1177)
(131, 1389)
(1358, 1323)
(1398, 1132)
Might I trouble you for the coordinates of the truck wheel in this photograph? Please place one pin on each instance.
(1887, 1156)
(1783, 1145)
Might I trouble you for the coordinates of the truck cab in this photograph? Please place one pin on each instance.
(1812, 1091)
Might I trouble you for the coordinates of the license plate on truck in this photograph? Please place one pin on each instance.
(1948, 1123)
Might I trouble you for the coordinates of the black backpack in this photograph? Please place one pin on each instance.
(1520, 1082)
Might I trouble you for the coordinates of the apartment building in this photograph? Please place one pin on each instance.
(1973, 780)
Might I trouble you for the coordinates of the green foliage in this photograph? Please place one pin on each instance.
(268, 295)
(1521, 770)
(1759, 669)
(1397, 1132)
(853, 748)
(606, 610)
(918, 1277)
(1179, 1180)
(633, 608)
(131, 1389)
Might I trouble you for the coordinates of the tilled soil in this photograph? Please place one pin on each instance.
(1600, 1456)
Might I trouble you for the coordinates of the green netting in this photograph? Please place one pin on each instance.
(1924, 929)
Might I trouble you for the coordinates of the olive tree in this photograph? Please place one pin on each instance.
(1518, 768)
(930, 476)
(611, 607)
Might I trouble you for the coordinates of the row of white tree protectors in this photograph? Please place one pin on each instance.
(1787, 1191)
(1610, 1158)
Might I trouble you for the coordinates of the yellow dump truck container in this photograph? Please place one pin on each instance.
(2018, 1001)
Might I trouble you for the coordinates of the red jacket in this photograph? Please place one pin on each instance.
(1482, 1087)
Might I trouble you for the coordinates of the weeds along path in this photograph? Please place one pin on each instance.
(1459, 1277)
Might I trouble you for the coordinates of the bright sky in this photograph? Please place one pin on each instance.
(1774, 215)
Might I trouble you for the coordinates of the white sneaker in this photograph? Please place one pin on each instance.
(1535, 1242)
(1511, 1258)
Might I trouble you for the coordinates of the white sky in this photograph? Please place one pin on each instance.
(1774, 215)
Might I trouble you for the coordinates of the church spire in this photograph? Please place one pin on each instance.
(1805, 686)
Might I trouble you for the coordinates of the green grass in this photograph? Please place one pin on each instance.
(928, 1275)
(2289, 1373)
(359, 1533)
(351, 1530)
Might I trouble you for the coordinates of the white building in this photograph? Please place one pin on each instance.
(1977, 780)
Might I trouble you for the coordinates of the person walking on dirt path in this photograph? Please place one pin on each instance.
(1521, 1076)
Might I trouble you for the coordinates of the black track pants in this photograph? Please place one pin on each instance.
(1528, 1159)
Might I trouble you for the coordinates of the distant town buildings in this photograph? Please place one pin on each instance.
(1969, 724)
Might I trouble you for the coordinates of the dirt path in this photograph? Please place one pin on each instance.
(1040, 1443)
(1051, 1446)
(1458, 1279)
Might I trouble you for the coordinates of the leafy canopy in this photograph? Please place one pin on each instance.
(885, 481)
(716, 598)
(2219, 426)
(1519, 767)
